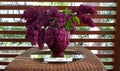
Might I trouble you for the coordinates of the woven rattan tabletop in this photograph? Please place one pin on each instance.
(23, 62)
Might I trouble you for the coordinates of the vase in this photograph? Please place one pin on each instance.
(59, 45)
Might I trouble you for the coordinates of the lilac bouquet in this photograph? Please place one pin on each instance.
(51, 26)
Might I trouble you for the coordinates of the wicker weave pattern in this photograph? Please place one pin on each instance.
(24, 63)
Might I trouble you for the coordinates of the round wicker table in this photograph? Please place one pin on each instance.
(23, 62)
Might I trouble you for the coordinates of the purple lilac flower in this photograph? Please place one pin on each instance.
(90, 22)
(43, 18)
(41, 38)
(49, 36)
(72, 31)
(53, 12)
(52, 24)
(32, 34)
(92, 10)
(74, 9)
(61, 19)
(30, 15)
(86, 20)
(83, 9)
(55, 15)
(37, 24)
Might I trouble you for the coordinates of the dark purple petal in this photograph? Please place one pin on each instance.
(30, 15)
(82, 18)
(90, 22)
(32, 34)
(61, 19)
(84, 9)
(74, 9)
(43, 17)
(41, 38)
(53, 11)
(86, 20)
(72, 31)
(49, 36)
(37, 24)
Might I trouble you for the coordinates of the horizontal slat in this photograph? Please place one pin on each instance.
(8, 55)
(91, 40)
(71, 40)
(10, 15)
(105, 55)
(1, 69)
(63, 0)
(4, 63)
(108, 63)
(59, 7)
(109, 69)
(105, 8)
(94, 32)
(77, 32)
(103, 16)
(27, 47)
(12, 24)
(100, 48)
(19, 16)
(23, 24)
(97, 24)
(14, 40)
(14, 47)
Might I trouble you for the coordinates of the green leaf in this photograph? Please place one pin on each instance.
(67, 11)
(76, 19)
(68, 25)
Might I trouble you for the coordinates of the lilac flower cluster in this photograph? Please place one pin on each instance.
(30, 15)
(82, 12)
(52, 26)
